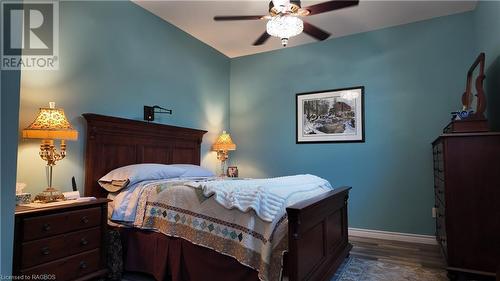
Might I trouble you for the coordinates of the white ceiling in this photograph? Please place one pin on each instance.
(235, 38)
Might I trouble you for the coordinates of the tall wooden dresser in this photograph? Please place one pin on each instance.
(467, 199)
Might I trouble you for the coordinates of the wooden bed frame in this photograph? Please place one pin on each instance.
(317, 235)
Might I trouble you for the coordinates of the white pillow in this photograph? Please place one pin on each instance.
(124, 176)
(193, 171)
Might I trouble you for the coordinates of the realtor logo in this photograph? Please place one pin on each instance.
(30, 35)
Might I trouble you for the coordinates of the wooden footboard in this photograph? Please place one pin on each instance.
(317, 236)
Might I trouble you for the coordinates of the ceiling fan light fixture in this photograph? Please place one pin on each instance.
(284, 27)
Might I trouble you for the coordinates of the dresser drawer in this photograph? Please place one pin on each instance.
(68, 268)
(437, 153)
(439, 175)
(49, 225)
(439, 191)
(49, 249)
(441, 227)
(439, 168)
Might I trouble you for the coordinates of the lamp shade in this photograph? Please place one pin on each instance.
(51, 123)
(224, 143)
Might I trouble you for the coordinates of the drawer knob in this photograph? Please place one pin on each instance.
(83, 265)
(46, 227)
(84, 242)
(85, 220)
(45, 251)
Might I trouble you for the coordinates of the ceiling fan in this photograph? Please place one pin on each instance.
(284, 19)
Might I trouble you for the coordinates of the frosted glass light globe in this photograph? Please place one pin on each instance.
(284, 26)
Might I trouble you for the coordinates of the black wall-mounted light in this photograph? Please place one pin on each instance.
(149, 112)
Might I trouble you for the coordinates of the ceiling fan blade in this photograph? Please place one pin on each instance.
(315, 31)
(227, 18)
(330, 6)
(262, 39)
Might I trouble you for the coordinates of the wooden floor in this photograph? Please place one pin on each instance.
(376, 249)
(398, 252)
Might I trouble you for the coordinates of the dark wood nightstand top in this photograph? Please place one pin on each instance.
(22, 210)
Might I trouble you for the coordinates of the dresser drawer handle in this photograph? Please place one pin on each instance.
(84, 242)
(83, 265)
(46, 227)
(85, 220)
(45, 251)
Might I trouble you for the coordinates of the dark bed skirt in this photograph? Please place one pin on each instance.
(176, 259)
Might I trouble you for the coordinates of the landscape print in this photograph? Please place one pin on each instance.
(335, 115)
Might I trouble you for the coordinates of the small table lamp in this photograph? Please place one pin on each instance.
(51, 124)
(223, 144)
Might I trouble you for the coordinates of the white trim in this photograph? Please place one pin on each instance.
(395, 236)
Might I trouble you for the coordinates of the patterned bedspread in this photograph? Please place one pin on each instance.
(176, 209)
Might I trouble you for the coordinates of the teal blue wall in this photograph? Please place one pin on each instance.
(413, 77)
(9, 114)
(487, 27)
(116, 57)
(487, 38)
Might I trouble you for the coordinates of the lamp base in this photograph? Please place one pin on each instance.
(223, 167)
(50, 194)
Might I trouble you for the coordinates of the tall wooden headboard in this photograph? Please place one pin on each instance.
(114, 142)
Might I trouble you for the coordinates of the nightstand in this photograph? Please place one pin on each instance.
(64, 242)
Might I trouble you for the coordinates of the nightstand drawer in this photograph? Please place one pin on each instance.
(85, 240)
(49, 225)
(69, 268)
(49, 249)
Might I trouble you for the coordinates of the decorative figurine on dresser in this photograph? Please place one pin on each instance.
(61, 242)
(467, 188)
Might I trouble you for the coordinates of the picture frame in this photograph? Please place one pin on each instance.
(232, 171)
(328, 116)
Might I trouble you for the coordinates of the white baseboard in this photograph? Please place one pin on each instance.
(395, 236)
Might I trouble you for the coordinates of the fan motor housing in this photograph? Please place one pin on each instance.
(294, 7)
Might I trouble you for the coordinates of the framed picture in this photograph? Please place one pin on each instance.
(232, 171)
(331, 116)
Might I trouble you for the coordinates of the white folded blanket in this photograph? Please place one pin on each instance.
(268, 197)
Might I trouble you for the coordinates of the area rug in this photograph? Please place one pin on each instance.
(358, 269)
